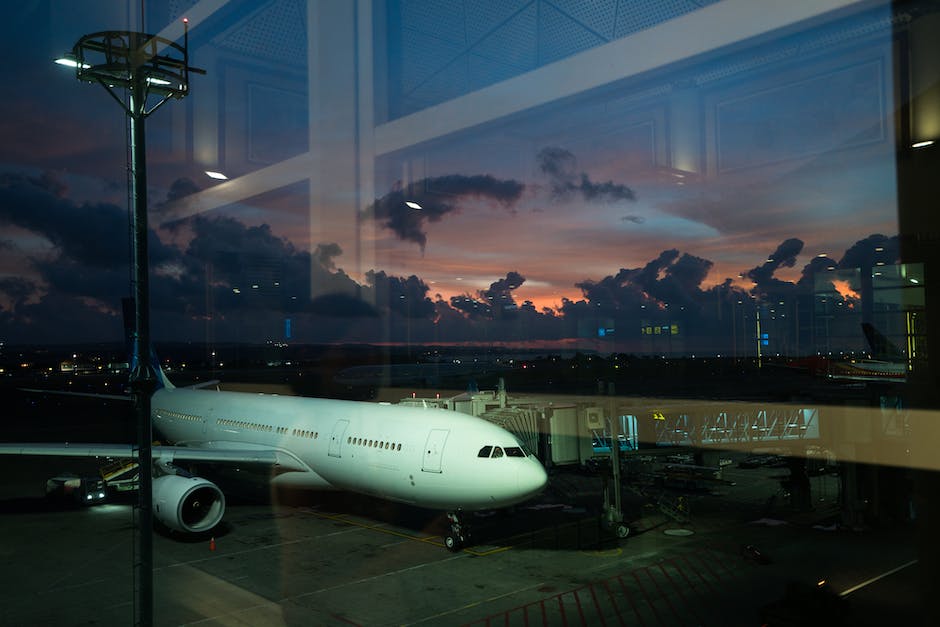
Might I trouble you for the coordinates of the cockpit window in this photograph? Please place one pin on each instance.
(509, 451)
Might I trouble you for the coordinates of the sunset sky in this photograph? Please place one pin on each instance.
(579, 222)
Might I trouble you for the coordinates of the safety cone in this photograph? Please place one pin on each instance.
(212, 543)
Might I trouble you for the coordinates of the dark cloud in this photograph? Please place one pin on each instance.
(670, 280)
(250, 267)
(763, 275)
(341, 306)
(226, 271)
(59, 318)
(180, 188)
(242, 282)
(326, 253)
(871, 251)
(561, 168)
(472, 307)
(501, 290)
(808, 275)
(17, 289)
(55, 186)
(559, 164)
(495, 302)
(405, 297)
(437, 197)
(94, 234)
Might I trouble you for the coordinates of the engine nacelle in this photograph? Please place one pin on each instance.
(189, 504)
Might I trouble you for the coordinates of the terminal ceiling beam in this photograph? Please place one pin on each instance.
(712, 28)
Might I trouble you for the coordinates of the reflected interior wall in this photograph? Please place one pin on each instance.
(918, 103)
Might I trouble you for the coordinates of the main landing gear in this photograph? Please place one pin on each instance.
(459, 534)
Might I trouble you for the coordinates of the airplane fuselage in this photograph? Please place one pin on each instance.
(426, 457)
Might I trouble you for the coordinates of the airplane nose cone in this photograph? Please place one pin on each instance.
(532, 478)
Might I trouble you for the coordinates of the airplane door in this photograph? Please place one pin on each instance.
(433, 450)
(336, 440)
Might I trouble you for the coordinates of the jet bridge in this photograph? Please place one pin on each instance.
(720, 425)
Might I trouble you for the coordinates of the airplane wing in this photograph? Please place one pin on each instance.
(113, 397)
(283, 461)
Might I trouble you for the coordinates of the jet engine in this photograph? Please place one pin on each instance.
(188, 504)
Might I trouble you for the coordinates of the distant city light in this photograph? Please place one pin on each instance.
(216, 175)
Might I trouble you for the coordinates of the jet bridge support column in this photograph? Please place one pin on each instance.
(613, 512)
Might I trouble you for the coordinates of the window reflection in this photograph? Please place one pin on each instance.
(684, 250)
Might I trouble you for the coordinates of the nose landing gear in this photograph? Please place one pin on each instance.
(459, 534)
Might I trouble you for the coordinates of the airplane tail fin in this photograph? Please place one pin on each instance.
(133, 347)
(881, 347)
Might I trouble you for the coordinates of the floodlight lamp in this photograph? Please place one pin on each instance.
(923, 144)
(151, 68)
(412, 204)
(216, 175)
(70, 61)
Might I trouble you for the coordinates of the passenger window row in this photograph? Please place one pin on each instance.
(256, 426)
(245, 424)
(388, 446)
(165, 413)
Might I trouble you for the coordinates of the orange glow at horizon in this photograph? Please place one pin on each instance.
(845, 290)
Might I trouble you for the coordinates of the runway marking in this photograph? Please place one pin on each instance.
(472, 605)
(375, 527)
(493, 551)
(222, 553)
(436, 540)
(615, 552)
(282, 600)
(373, 578)
(867, 582)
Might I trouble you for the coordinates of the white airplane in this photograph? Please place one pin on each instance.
(426, 457)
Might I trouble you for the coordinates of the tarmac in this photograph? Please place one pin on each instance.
(340, 559)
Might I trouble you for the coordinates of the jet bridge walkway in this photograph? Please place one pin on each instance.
(718, 424)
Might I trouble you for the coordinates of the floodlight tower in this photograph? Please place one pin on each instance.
(141, 72)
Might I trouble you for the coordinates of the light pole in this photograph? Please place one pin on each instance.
(150, 70)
